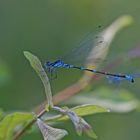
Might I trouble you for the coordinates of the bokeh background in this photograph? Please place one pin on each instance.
(49, 29)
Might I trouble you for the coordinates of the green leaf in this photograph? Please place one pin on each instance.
(11, 121)
(88, 109)
(91, 134)
(120, 100)
(37, 66)
(82, 110)
(88, 129)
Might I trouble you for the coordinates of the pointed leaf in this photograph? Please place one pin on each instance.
(37, 66)
(11, 121)
(89, 109)
(50, 133)
(88, 129)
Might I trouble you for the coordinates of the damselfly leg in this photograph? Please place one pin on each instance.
(53, 74)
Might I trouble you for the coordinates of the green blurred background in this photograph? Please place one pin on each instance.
(49, 29)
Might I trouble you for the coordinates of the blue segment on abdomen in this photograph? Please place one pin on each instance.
(82, 68)
(68, 66)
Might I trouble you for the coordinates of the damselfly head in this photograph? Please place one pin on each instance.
(47, 64)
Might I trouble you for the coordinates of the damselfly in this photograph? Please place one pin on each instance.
(52, 66)
(99, 51)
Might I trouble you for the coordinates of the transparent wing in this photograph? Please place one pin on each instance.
(95, 46)
(114, 80)
(135, 75)
(79, 54)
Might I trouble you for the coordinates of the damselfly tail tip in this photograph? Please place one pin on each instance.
(132, 80)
